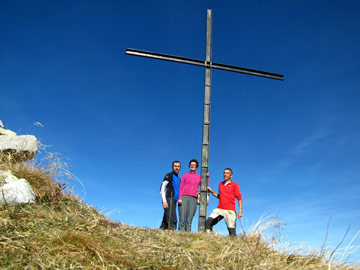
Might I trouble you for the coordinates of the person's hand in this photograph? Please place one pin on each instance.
(209, 189)
(179, 202)
(207, 175)
(165, 205)
(239, 214)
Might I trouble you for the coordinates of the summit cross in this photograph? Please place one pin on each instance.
(209, 65)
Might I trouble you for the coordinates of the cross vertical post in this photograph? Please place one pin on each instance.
(206, 125)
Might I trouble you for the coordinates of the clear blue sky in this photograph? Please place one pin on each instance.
(294, 146)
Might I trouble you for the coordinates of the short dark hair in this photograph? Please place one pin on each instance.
(229, 170)
(176, 161)
(194, 160)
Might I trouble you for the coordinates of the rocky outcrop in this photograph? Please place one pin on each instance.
(15, 148)
(18, 148)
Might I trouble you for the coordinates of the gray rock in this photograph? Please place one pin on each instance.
(18, 148)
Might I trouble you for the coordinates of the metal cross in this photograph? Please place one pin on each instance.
(208, 64)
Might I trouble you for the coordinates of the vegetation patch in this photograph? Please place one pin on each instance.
(60, 231)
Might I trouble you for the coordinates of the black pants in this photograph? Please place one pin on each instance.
(169, 220)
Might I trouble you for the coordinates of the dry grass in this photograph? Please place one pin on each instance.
(61, 232)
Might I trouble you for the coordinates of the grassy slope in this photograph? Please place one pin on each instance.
(61, 232)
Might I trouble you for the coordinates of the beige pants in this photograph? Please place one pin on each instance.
(229, 216)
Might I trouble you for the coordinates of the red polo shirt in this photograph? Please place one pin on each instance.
(227, 195)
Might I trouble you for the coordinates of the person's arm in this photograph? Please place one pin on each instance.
(182, 182)
(213, 192)
(239, 214)
(239, 198)
(163, 194)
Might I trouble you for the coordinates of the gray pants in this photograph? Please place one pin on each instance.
(186, 212)
(169, 220)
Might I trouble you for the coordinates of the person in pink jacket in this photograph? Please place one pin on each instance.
(188, 193)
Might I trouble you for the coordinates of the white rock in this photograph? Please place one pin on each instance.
(7, 132)
(18, 148)
(4, 131)
(18, 191)
(19, 143)
(7, 177)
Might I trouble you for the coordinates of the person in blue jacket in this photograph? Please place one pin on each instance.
(169, 192)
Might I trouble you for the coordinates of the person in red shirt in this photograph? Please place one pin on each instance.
(228, 191)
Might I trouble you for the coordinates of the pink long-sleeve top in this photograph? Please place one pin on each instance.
(189, 184)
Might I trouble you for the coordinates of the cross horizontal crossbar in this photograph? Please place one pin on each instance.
(196, 62)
